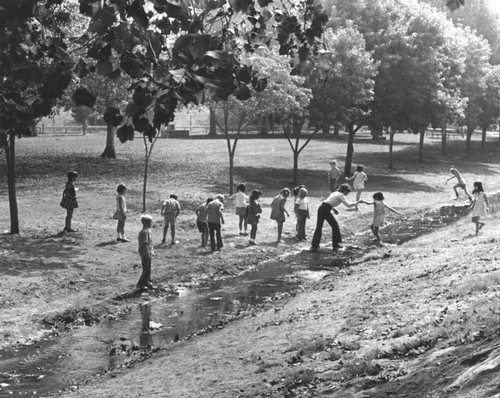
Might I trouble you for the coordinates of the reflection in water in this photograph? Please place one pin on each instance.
(146, 338)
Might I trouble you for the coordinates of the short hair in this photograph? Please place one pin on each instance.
(255, 194)
(333, 161)
(360, 168)
(302, 193)
(220, 198)
(72, 174)
(345, 189)
(174, 197)
(285, 191)
(209, 200)
(241, 187)
(378, 196)
(146, 219)
(121, 188)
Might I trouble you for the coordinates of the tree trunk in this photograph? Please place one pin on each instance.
(295, 166)
(109, 150)
(325, 129)
(336, 129)
(391, 146)
(84, 127)
(350, 150)
(212, 132)
(10, 155)
(468, 138)
(421, 145)
(144, 187)
(444, 148)
(264, 130)
(483, 137)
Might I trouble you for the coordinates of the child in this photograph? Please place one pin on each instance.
(358, 181)
(334, 175)
(480, 205)
(201, 221)
(69, 201)
(460, 182)
(241, 208)
(296, 196)
(278, 211)
(146, 251)
(215, 220)
(378, 213)
(121, 213)
(302, 212)
(253, 216)
(170, 210)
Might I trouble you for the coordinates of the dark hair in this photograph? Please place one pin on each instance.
(378, 196)
(360, 167)
(478, 187)
(174, 196)
(72, 174)
(121, 188)
(297, 189)
(344, 188)
(241, 187)
(255, 194)
(285, 191)
(209, 200)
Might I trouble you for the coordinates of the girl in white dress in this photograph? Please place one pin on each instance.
(378, 213)
(479, 205)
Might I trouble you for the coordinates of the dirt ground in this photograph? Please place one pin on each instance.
(415, 320)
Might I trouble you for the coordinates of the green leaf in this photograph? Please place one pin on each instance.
(125, 133)
(113, 117)
(104, 67)
(82, 96)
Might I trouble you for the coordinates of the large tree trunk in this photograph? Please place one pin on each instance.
(336, 129)
(468, 138)
(325, 129)
(84, 127)
(421, 145)
(483, 137)
(109, 151)
(391, 146)
(444, 147)
(295, 166)
(212, 132)
(264, 129)
(350, 150)
(10, 155)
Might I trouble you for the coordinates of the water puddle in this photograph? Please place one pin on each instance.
(57, 363)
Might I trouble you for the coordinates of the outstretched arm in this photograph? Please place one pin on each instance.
(394, 210)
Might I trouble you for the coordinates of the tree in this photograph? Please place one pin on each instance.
(280, 93)
(81, 115)
(35, 69)
(342, 84)
(490, 103)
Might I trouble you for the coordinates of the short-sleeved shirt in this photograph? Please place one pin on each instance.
(145, 242)
(201, 213)
(241, 199)
(302, 203)
(171, 207)
(214, 209)
(336, 198)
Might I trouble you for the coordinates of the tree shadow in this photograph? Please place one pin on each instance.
(109, 243)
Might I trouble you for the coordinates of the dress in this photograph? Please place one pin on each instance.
(479, 205)
(278, 208)
(378, 213)
(121, 208)
(359, 179)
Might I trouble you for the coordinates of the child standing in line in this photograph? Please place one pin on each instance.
(69, 201)
(121, 213)
(358, 181)
(146, 251)
(201, 221)
(170, 210)
(253, 216)
(241, 208)
(302, 212)
(278, 211)
(333, 175)
(480, 205)
(215, 220)
(378, 213)
(460, 182)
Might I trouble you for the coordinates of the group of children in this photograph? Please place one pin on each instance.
(209, 215)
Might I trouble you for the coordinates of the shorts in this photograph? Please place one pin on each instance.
(169, 219)
(202, 226)
(241, 211)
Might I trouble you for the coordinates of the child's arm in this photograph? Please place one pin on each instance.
(221, 218)
(394, 210)
(162, 211)
(365, 202)
(349, 178)
(486, 201)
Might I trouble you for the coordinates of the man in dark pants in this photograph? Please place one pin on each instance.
(215, 219)
(325, 213)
